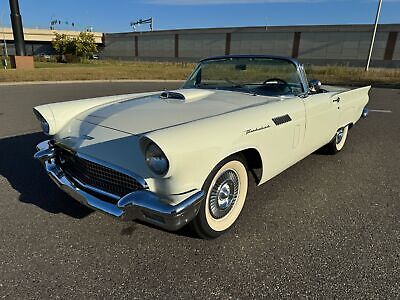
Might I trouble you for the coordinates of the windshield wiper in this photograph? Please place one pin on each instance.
(242, 86)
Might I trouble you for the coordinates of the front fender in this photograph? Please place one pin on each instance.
(60, 114)
(194, 149)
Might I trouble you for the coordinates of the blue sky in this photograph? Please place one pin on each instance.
(115, 16)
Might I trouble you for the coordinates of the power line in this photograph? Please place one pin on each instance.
(149, 21)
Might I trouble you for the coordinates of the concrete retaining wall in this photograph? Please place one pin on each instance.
(320, 45)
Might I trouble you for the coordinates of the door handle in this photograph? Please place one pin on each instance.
(336, 100)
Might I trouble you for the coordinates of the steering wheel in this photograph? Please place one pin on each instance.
(282, 83)
(277, 80)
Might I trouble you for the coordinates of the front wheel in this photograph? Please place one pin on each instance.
(226, 191)
(338, 141)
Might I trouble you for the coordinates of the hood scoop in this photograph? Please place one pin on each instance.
(185, 95)
(172, 95)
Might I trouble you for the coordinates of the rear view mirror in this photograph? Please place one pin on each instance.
(315, 86)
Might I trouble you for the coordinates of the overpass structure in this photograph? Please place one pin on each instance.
(39, 40)
(318, 45)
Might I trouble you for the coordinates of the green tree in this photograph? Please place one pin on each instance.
(85, 44)
(63, 44)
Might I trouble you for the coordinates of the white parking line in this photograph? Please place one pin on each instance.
(380, 111)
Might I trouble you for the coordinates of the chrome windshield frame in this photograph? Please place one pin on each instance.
(299, 68)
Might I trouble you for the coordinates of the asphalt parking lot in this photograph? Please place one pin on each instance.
(327, 227)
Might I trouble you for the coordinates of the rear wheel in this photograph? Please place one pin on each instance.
(226, 191)
(338, 141)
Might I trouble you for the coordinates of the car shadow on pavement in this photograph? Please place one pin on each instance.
(27, 177)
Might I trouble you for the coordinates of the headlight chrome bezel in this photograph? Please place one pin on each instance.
(155, 159)
(43, 123)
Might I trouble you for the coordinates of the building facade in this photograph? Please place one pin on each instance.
(319, 45)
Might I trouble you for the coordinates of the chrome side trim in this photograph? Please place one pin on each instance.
(141, 205)
(304, 80)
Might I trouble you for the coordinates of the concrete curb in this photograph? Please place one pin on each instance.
(85, 81)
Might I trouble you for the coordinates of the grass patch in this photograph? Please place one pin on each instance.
(354, 76)
(99, 70)
(114, 70)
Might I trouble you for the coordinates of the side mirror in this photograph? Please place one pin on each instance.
(315, 86)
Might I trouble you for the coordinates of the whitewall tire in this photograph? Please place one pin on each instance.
(338, 141)
(226, 191)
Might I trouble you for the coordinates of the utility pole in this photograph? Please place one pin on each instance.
(371, 48)
(18, 30)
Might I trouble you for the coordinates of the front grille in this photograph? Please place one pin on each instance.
(96, 175)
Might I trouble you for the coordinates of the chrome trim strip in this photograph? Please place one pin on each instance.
(183, 193)
(304, 80)
(142, 204)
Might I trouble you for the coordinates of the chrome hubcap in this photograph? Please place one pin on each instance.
(224, 194)
(339, 135)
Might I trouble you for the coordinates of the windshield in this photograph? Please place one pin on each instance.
(260, 76)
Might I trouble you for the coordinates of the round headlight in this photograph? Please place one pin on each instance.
(156, 159)
(45, 126)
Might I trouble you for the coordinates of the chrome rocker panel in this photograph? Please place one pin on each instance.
(139, 205)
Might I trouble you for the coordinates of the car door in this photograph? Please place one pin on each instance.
(322, 118)
(281, 141)
(351, 104)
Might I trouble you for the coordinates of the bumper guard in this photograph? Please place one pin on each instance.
(139, 205)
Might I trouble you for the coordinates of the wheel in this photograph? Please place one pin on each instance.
(338, 141)
(226, 191)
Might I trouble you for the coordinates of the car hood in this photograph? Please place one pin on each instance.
(166, 109)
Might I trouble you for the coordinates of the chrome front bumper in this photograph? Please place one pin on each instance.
(139, 205)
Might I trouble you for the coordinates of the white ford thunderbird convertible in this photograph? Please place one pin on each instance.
(177, 157)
